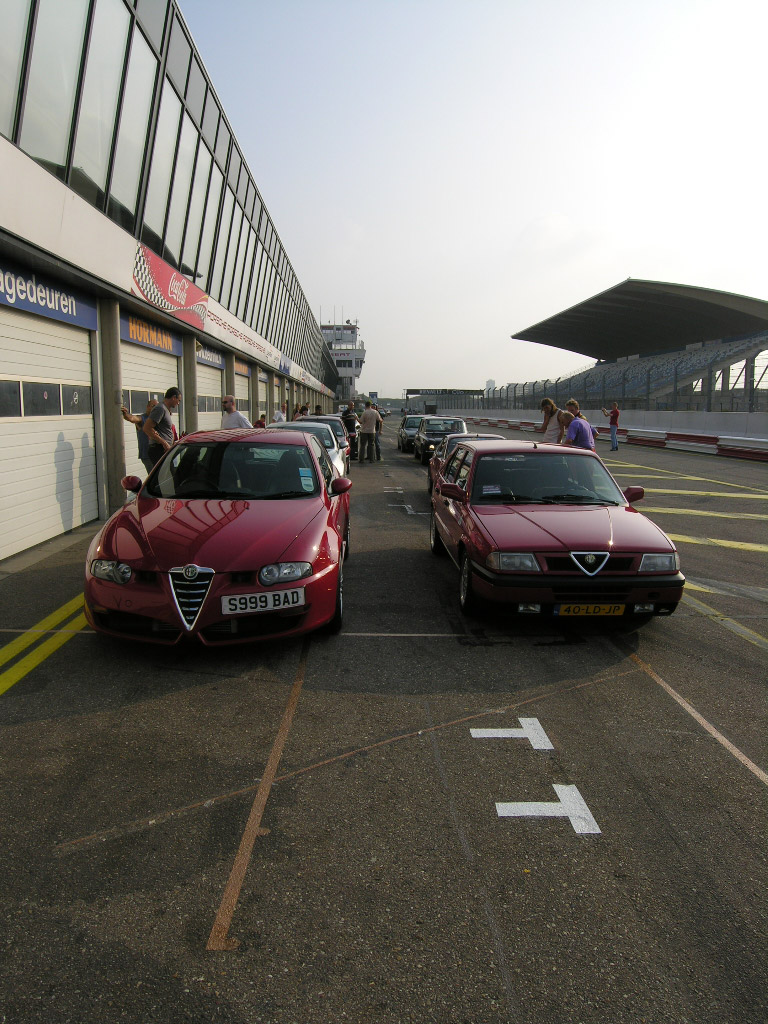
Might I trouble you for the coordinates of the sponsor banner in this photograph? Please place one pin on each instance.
(210, 357)
(242, 368)
(167, 289)
(263, 377)
(36, 293)
(140, 332)
(444, 391)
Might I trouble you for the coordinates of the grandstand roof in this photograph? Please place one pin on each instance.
(646, 317)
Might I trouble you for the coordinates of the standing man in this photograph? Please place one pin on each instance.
(578, 433)
(351, 422)
(282, 413)
(613, 423)
(377, 437)
(159, 426)
(368, 426)
(231, 417)
(138, 422)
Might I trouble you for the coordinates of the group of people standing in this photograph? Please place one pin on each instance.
(569, 426)
(366, 431)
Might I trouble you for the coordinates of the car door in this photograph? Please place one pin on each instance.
(337, 504)
(450, 512)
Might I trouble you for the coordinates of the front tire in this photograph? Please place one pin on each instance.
(436, 545)
(467, 599)
(334, 626)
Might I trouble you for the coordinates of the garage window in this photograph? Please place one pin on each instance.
(41, 399)
(10, 398)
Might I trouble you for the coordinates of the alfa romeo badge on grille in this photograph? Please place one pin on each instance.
(190, 572)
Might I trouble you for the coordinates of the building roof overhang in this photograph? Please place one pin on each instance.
(646, 317)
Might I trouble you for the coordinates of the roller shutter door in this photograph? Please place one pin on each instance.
(146, 374)
(48, 459)
(243, 397)
(210, 382)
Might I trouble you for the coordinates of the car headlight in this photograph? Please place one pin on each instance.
(512, 561)
(284, 572)
(669, 562)
(115, 572)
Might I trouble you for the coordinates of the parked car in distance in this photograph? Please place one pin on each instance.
(430, 432)
(547, 531)
(336, 423)
(445, 448)
(235, 535)
(325, 433)
(406, 432)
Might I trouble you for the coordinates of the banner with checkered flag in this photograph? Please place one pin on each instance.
(165, 288)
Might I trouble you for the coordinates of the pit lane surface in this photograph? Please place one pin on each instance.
(379, 881)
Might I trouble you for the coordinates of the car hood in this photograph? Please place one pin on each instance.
(571, 528)
(225, 535)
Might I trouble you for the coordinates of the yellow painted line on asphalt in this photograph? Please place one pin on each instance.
(724, 620)
(32, 635)
(715, 542)
(682, 476)
(699, 587)
(703, 512)
(44, 650)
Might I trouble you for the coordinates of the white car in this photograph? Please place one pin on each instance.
(324, 432)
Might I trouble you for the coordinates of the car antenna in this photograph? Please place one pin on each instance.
(535, 446)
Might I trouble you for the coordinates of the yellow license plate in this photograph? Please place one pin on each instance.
(589, 609)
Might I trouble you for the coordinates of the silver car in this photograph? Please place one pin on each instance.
(324, 432)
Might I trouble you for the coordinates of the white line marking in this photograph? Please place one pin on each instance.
(742, 758)
(530, 730)
(570, 804)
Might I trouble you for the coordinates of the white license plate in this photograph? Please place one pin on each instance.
(264, 601)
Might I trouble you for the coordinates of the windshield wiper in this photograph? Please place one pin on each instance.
(285, 494)
(580, 499)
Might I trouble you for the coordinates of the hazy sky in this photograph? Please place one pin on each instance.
(449, 173)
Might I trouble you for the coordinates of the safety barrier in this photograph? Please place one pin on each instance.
(755, 448)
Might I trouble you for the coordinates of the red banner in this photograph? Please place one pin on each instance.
(167, 289)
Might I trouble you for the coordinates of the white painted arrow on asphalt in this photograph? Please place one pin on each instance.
(530, 730)
(570, 804)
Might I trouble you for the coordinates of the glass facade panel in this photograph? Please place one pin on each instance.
(182, 178)
(196, 92)
(232, 253)
(132, 135)
(221, 247)
(179, 52)
(53, 75)
(196, 206)
(246, 279)
(234, 168)
(222, 144)
(210, 119)
(15, 19)
(162, 165)
(209, 227)
(96, 123)
(152, 16)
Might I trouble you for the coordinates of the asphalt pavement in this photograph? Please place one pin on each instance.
(426, 818)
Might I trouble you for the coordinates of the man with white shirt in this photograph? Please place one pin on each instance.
(231, 417)
(282, 413)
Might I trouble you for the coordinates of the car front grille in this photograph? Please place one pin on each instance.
(565, 564)
(190, 591)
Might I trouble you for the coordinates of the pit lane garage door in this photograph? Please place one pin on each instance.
(242, 396)
(146, 374)
(47, 441)
(210, 382)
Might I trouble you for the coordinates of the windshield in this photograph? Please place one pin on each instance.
(444, 426)
(412, 421)
(235, 470)
(519, 478)
(321, 430)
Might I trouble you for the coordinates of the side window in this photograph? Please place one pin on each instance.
(461, 477)
(325, 466)
(452, 466)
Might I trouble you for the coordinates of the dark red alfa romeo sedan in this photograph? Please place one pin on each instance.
(546, 530)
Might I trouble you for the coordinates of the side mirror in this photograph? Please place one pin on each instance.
(131, 483)
(340, 485)
(454, 492)
(633, 494)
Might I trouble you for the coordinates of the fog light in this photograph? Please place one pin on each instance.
(643, 609)
(529, 609)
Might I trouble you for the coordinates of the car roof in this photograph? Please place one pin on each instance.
(483, 447)
(307, 425)
(256, 435)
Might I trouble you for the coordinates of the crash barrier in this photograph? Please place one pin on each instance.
(755, 448)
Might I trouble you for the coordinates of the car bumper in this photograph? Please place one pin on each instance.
(550, 591)
(147, 611)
